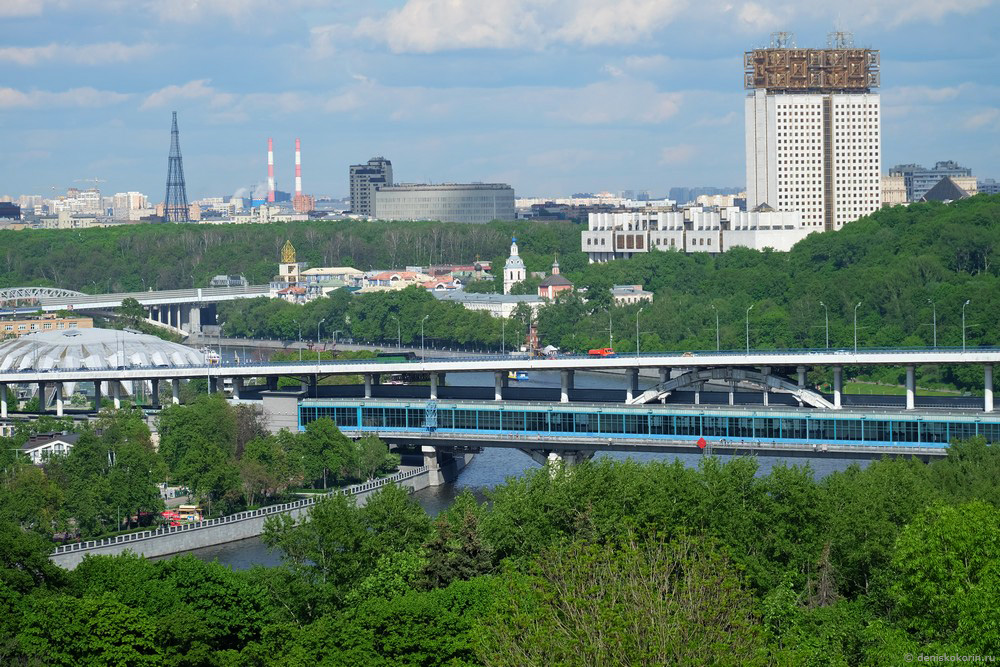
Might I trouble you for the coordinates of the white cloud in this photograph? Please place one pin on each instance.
(757, 16)
(678, 153)
(427, 26)
(87, 54)
(192, 90)
(20, 7)
(11, 98)
(595, 22)
(988, 119)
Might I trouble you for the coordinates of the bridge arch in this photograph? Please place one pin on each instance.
(763, 381)
(15, 295)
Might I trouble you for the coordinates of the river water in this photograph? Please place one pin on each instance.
(494, 465)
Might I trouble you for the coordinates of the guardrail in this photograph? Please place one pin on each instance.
(356, 489)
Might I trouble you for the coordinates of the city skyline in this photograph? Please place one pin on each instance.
(552, 98)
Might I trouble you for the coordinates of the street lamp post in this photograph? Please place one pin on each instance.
(826, 318)
(934, 321)
(967, 301)
(717, 348)
(748, 327)
(399, 333)
(856, 327)
(637, 333)
(318, 325)
(422, 336)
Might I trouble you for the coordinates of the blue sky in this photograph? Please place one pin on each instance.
(552, 96)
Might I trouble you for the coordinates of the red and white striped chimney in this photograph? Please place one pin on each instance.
(298, 168)
(270, 170)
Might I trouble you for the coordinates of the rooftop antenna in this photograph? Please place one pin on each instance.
(782, 40)
(840, 40)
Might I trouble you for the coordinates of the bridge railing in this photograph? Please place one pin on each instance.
(353, 490)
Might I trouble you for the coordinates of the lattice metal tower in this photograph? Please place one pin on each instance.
(175, 204)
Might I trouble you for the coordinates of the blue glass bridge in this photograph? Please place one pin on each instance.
(594, 427)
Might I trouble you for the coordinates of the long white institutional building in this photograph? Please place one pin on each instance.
(621, 235)
(813, 131)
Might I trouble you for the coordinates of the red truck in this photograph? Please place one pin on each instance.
(602, 352)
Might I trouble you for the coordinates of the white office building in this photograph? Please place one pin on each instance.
(813, 131)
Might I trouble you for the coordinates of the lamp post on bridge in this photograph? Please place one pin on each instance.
(296, 322)
(637, 333)
(856, 327)
(399, 333)
(712, 305)
(967, 301)
(318, 325)
(934, 321)
(826, 318)
(748, 326)
(422, 336)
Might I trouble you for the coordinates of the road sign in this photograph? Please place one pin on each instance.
(702, 442)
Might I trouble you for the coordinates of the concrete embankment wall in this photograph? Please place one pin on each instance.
(173, 540)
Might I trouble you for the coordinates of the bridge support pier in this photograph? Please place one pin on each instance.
(434, 386)
(801, 370)
(911, 387)
(3, 401)
(631, 383)
(697, 394)
(272, 383)
(175, 392)
(42, 402)
(664, 374)
(499, 382)
(368, 385)
(97, 396)
(432, 461)
(57, 395)
(838, 384)
(238, 386)
(732, 392)
(565, 384)
(116, 393)
(154, 393)
(988, 388)
(556, 459)
(766, 370)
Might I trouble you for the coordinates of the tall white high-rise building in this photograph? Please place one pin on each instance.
(813, 130)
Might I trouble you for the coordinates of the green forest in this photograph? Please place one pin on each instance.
(171, 256)
(605, 563)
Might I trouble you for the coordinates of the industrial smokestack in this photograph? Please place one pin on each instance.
(298, 168)
(270, 170)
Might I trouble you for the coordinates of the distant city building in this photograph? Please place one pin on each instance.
(721, 200)
(365, 180)
(10, 211)
(130, 206)
(624, 295)
(683, 195)
(513, 270)
(988, 186)
(19, 326)
(288, 284)
(813, 131)
(690, 229)
(918, 180)
(893, 190)
(330, 276)
(452, 202)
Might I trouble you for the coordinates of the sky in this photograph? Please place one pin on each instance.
(551, 96)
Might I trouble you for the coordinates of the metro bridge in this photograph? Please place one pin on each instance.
(185, 310)
(549, 431)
